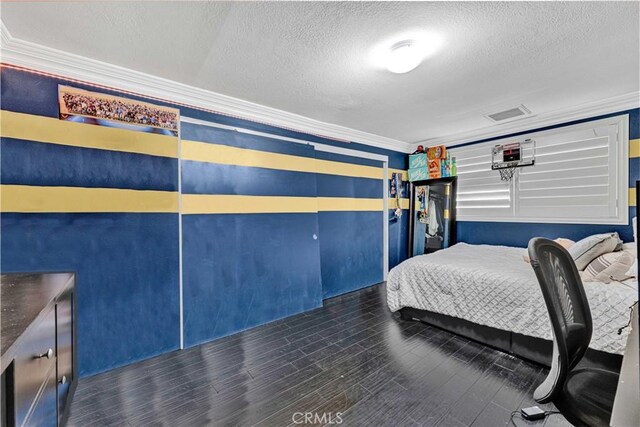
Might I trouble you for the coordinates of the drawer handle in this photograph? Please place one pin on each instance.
(48, 354)
(63, 380)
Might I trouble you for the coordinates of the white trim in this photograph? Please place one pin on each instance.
(623, 157)
(5, 36)
(319, 146)
(385, 221)
(180, 263)
(546, 221)
(328, 149)
(31, 55)
(185, 119)
(348, 152)
(34, 56)
(585, 111)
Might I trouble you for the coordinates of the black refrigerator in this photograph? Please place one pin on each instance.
(432, 225)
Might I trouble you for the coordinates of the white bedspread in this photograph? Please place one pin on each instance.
(493, 286)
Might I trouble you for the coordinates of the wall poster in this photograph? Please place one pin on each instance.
(83, 106)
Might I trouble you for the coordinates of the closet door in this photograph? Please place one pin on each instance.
(350, 202)
(250, 249)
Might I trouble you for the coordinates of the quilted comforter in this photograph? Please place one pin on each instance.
(493, 286)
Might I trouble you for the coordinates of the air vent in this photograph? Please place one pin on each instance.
(511, 113)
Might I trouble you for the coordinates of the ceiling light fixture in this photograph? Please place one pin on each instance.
(405, 55)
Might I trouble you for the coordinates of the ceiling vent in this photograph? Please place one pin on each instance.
(511, 113)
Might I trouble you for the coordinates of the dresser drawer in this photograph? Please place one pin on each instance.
(34, 362)
(43, 412)
(64, 351)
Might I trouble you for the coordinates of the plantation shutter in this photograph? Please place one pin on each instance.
(580, 176)
(480, 191)
(574, 176)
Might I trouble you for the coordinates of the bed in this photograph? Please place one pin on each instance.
(490, 294)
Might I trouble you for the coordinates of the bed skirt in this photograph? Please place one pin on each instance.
(537, 350)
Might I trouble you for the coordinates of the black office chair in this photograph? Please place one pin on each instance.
(584, 396)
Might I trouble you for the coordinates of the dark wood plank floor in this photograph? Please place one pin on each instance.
(351, 356)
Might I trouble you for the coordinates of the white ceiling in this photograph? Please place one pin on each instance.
(313, 58)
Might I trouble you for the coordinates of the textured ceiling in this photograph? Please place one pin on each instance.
(313, 58)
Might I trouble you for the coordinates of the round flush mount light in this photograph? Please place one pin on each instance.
(405, 55)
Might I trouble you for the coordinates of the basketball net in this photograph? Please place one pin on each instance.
(507, 174)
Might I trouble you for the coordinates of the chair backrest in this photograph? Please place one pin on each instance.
(568, 309)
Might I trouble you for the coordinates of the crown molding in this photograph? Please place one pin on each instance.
(5, 36)
(585, 111)
(30, 55)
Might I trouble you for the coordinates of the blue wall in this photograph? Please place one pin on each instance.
(240, 269)
(350, 241)
(127, 270)
(245, 269)
(126, 262)
(351, 251)
(519, 234)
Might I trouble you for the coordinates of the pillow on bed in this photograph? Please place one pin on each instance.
(633, 270)
(609, 267)
(590, 248)
(565, 243)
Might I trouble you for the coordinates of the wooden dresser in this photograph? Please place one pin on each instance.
(38, 348)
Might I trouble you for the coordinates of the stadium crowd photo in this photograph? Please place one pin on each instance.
(114, 109)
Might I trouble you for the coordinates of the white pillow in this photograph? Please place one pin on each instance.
(633, 270)
(590, 248)
(610, 267)
(565, 243)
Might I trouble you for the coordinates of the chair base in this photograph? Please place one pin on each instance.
(587, 397)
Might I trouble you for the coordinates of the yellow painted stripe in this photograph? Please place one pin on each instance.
(226, 204)
(404, 204)
(53, 131)
(223, 154)
(32, 199)
(238, 204)
(348, 169)
(405, 174)
(634, 148)
(327, 204)
(446, 214)
(632, 197)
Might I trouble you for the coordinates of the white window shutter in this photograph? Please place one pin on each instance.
(480, 190)
(580, 176)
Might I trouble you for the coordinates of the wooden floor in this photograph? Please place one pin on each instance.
(350, 361)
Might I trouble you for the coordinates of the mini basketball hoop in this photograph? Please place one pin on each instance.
(507, 158)
(506, 174)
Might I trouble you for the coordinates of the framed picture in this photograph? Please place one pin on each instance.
(83, 106)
